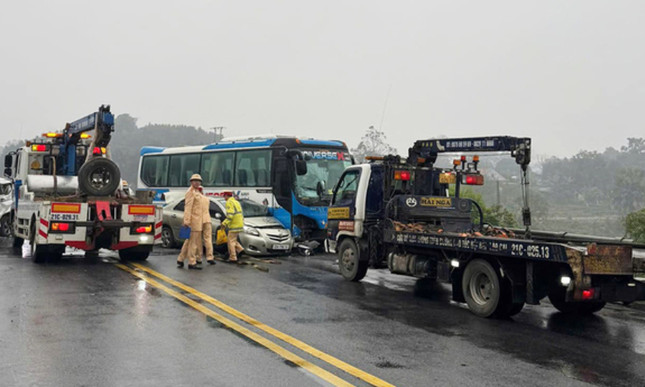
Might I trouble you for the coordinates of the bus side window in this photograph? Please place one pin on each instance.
(153, 171)
(249, 166)
(217, 169)
(182, 167)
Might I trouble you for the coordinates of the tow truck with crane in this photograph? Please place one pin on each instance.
(69, 193)
(400, 213)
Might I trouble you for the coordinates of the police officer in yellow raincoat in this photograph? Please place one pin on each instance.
(235, 223)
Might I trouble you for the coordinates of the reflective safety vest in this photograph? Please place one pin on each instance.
(234, 218)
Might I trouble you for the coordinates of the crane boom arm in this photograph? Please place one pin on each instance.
(520, 147)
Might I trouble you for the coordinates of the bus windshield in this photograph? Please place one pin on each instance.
(323, 172)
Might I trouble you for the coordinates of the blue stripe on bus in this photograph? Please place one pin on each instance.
(151, 149)
(235, 145)
(321, 143)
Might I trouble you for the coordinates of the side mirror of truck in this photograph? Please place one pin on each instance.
(7, 172)
(301, 167)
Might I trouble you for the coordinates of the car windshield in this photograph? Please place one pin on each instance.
(250, 208)
(315, 187)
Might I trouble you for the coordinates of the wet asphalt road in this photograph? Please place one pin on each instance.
(88, 322)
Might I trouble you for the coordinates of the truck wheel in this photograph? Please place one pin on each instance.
(5, 225)
(558, 297)
(349, 262)
(99, 177)
(167, 237)
(135, 253)
(482, 290)
(38, 253)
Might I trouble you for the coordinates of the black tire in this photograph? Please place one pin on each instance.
(135, 253)
(167, 237)
(482, 288)
(351, 266)
(558, 298)
(38, 253)
(5, 225)
(99, 177)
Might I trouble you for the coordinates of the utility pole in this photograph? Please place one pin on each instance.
(220, 135)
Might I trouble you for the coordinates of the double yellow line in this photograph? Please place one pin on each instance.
(295, 359)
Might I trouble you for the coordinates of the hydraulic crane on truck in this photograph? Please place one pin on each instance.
(425, 152)
(97, 175)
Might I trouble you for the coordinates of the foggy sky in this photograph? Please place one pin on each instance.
(570, 74)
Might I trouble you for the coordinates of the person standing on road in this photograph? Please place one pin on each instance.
(193, 218)
(235, 223)
(207, 231)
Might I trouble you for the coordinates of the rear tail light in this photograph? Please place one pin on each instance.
(402, 175)
(473, 179)
(62, 227)
(39, 148)
(143, 229)
(588, 294)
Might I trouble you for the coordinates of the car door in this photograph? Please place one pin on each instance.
(177, 217)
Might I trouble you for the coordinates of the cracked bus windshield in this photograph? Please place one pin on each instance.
(324, 168)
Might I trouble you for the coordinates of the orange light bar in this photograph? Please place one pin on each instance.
(85, 136)
(52, 135)
(74, 208)
(375, 158)
(141, 210)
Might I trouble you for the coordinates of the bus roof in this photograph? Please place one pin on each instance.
(242, 143)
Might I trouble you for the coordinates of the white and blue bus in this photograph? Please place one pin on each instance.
(293, 177)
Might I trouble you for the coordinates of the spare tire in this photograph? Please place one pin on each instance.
(99, 177)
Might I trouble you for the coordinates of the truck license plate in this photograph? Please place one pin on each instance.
(280, 247)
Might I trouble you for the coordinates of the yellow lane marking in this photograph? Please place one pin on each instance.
(295, 359)
(371, 379)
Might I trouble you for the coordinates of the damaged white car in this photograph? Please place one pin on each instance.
(6, 203)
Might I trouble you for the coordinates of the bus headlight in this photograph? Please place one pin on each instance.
(251, 231)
